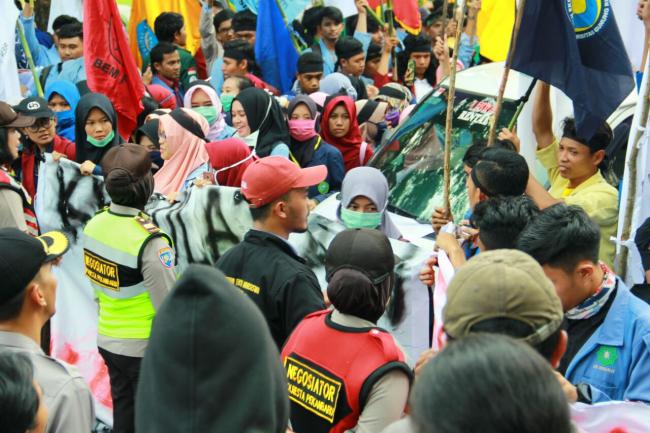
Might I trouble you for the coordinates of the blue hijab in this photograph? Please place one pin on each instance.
(65, 119)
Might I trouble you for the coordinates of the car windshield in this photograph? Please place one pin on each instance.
(413, 158)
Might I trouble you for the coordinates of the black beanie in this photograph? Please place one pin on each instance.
(347, 47)
(417, 44)
(310, 62)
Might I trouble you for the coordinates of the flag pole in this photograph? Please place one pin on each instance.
(632, 186)
(295, 43)
(506, 72)
(450, 116)
(30, 60)
(445, 6)
(391, 31)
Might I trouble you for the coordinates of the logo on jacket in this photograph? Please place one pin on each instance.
(312, 389)
(588, 16)
(166, 257)
(101, 271)
(607, 356)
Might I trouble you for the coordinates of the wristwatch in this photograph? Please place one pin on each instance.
(584, 393)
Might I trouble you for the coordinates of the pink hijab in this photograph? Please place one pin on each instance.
(188, 150)
(217, 127)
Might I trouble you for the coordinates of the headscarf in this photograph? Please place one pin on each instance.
(264, 115)
(371, 183)
(65, 125)
(185, 388)
(397, 95)
(350, 145)
(188, 150)
(319, 98)
(150, 130)
(334, 83)
(303, 151)
(220, 123)
(229, 158)
(163, 96)
(369, 114)
(85, 150)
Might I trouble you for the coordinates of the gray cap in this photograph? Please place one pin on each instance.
(502, 284)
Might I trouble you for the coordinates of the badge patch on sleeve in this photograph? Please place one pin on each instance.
(166, 257)
(312, 389)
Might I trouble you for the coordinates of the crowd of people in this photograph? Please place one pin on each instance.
(535, 320)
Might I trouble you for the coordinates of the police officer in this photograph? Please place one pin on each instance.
(265, 266)
(363, 385)
(130, 264)
(27, 301)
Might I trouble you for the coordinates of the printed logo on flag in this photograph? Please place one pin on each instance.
(588, 16)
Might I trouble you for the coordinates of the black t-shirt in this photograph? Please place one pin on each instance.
(580, 330)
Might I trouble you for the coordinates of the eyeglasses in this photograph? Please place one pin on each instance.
(40, 124)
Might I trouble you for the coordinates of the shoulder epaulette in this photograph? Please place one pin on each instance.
(147, 224)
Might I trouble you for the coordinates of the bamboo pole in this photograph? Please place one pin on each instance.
(30, 60)
(451, 96)
(632, 185)
(445, 18)
(506, 72)
(391, 32)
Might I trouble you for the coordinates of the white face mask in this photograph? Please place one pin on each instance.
(250, 139)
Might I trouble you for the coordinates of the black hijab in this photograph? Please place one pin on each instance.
(85, 150)
(303, 151)
(211, 365)
(264, 115)
(150, 130)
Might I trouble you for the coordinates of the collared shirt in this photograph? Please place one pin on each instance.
(66, 394)
(597, 197)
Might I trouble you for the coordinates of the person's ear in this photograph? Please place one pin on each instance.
(280, 209)
(597, 157)
(155, 66)
(35, 294)
(585, 270)
(243, 65)
(560, 349)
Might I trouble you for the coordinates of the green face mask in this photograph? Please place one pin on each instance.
(210, 113)
(103, 142)
(360, 220)
(226, 101)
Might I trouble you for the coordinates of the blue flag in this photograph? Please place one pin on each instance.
(576, 47)
(146, 38)
(274, 50)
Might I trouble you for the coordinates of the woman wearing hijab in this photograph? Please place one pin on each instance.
(259, 121)
(202, 98)
(398, 96)
(340, 128)
(364, 199)
(62, 97)
(147, 137)
(96, 131)
(229, 159)
(336, 83)
(308, 149)
(372, 120)
(182, 145)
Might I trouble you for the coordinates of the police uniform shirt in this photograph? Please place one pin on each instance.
(159, 277)
(11, 210)
(66, 394)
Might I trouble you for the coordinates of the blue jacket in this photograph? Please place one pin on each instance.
(615, 360)
(331, 157)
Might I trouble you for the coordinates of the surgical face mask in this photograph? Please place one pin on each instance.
(302, 129)
(103, 142)
(360, 220)
(209, 112)
(64, 119)
(226, 101)
(250, 139)
(392, 118)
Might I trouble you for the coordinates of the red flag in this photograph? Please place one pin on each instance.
(407, 13)
(110, 67)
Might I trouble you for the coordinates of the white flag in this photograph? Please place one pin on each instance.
(74, 8)
(9, 85)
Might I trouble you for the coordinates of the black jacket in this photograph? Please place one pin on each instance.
(268, 270)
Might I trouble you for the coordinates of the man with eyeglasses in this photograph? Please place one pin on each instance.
(39, 139)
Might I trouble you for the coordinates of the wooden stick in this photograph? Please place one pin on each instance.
(391, 31)
(30, 60)
(445, 6)
(633, 176)
(504, 79)
(451, 96)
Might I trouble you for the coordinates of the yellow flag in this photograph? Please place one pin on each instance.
(494, 28)
(150, 9)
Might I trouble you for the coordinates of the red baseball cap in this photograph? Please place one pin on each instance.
(270, 178)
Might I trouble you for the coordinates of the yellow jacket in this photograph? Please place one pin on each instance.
(597, 197)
